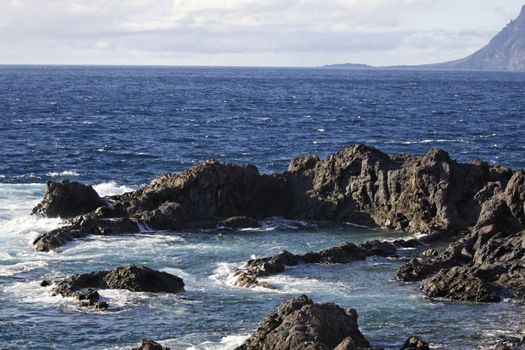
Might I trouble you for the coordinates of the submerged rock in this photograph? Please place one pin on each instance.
(68, 199)
(135, 278)
(299, 323)
(238, 222)
(147, 344)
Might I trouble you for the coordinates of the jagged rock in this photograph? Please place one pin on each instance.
(415, 343)
(237, 222)
(135, 278)
(68, 199)
(431, 194)
(459, 283)
(247, 275)
(300, 324)
(147, 344)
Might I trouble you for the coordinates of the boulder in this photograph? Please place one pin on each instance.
(147, 344)
(415, 343)
(135, 278)
(301, 324)
(68, 199)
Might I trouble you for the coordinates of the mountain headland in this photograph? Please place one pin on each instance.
(505, 52)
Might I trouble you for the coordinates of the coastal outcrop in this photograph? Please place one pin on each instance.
(480, 207)
(135, 278)
(359, 184)
(300, 323)
(247, 275)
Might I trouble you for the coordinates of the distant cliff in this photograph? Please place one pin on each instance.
(506, 51)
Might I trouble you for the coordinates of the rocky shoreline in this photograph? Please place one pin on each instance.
(476, 207)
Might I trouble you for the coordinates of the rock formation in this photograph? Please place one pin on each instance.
(300, 324)
(135, 278)
(430, 193)
(482, 205)
(68, 199)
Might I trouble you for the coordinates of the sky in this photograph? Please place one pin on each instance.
(293, 33)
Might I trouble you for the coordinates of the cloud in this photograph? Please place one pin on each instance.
(301, 32)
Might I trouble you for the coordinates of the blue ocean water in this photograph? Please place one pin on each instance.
(130, 124)
(119, 127)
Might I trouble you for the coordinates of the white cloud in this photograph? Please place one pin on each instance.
(247, 32)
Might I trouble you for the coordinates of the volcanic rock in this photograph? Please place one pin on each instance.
(68, 199)
(299, 323)
(135, 278)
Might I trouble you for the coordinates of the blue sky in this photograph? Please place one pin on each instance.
(247, 32)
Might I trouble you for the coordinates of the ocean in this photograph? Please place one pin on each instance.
(118, 127)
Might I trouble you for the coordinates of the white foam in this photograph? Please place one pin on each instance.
(229, 342)
(24, 266)
(111, 188)
(63, 173)
(32, 293)
(223, 273)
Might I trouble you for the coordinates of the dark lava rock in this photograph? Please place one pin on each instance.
(238, 222)
(45, 283)
(135, 278)
(415, 343)
(68, 199)
(359, 184)
(81, 227)
(246, 276)
(147, 344)
(90, 298)
(481, 207)
(300, 324)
